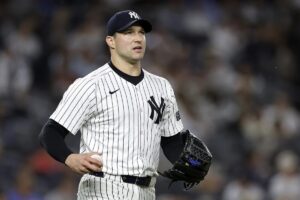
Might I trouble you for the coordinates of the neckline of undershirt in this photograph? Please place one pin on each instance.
(132, 79)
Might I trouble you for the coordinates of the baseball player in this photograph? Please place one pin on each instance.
(124, 114)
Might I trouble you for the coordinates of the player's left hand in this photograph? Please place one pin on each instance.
(84, 163)
(193, 163)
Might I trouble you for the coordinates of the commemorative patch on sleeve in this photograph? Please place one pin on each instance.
(178, 116)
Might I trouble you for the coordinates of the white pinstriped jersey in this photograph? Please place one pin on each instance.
(121, 120)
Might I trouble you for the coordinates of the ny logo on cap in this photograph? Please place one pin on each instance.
(134, 15)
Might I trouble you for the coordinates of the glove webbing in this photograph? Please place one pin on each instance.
(186, 185)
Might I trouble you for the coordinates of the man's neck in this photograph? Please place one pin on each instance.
(132, 69)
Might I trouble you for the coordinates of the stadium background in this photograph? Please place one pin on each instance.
(234, 66)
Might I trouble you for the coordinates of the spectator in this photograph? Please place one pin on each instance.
(280, 118)
(226, 59)
(24, 188)
(65, 189)
(285, 183)
(243, 188)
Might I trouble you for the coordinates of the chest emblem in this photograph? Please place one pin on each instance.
(157, 109)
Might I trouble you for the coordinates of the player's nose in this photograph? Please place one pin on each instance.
(138, 38)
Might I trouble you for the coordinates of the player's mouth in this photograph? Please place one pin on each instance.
(138, 49)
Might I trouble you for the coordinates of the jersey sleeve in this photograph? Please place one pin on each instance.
(76, 106)
(172, 123)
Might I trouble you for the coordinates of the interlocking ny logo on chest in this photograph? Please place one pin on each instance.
(156, 109)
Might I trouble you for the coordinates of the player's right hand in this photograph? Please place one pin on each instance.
(83, 163)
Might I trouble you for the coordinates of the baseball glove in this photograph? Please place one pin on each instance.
(193, 163)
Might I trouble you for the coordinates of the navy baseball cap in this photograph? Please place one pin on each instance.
(122, 20)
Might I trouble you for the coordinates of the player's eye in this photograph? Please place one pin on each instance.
(128, 31)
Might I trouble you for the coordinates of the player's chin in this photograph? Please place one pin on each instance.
(137, 57)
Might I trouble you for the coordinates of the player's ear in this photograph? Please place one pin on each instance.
(110, 41)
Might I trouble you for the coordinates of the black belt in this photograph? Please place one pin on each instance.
(140, 181)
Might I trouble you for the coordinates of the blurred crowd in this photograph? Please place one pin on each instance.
(233, 65)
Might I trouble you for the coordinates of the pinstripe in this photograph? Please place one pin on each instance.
(131, 124)
(69, 102)
(138, 125)
(94, 188)
(113, 119)
(76, 88)
(140, 122)
(155, 86)
(106, 193)
(154, 90)
(100, 189)
(168, 92)
(173, 106)
(116, 114)
(101, 129)
(128, 192)
(140, 194)
(112, 194)
(119, 126)
(124, 127)
(97, 127)
(89, 188)
(121, 141)
(77, 107)
(147, 87)
(93, 130)
(105, 103)
(118, 192)
(132, 192)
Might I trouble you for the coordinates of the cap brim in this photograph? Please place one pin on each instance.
(143, 23)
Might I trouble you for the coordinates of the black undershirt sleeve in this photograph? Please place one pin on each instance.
(172, 146)
(52, 139)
